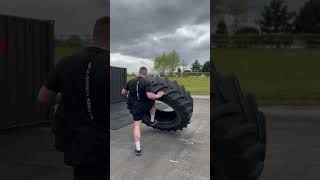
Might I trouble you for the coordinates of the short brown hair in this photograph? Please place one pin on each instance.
(143, 70)
(101, 31)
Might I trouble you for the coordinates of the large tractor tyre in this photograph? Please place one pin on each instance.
(239, 131)
(59, 128)
(178, 99)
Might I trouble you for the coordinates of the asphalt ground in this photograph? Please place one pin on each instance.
(293, 149)
(28, 154)
(181, 155)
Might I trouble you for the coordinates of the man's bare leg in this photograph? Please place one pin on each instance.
(153, 113)
(137, 135)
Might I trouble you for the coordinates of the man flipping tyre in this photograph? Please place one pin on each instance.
(140, 101)
(83, 81)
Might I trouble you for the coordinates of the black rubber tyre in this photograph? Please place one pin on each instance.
(59, 128)
(239, 131)
(178, 99)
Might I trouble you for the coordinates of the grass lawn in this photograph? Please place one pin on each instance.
(61, 51)
(196, 85)
(275, 76)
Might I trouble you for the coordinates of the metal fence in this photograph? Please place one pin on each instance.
(187, 74)
(83, 39)
(26, 57)
(118, 78)
(266, 41)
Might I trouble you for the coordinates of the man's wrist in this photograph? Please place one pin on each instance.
(157, 96)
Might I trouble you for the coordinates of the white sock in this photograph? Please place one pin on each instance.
(138, 148)
(152, 118)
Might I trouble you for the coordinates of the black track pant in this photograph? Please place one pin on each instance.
(90, 173)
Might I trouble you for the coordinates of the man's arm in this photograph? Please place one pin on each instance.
(150, 94)
(124, 92)
(48, 97)
(49, 93)
(154, 96)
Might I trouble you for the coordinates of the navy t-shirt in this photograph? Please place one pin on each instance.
(70, 79)
(144, 86)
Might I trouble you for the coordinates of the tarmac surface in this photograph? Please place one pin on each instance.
(181, 155)
(293, 150)
(28, 154)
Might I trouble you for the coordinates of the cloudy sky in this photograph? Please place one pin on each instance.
(256, 6)
(141, 30)
(71, 17)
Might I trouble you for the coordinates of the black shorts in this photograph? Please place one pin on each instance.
(146, 108)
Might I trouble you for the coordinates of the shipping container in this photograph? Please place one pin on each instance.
(118, 78)
(26, 57)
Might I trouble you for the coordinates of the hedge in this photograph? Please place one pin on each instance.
(266, 41)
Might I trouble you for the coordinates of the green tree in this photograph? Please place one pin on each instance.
(238, 10)
(247, 30)
(161, 63)
(206, 67)
(217, 7)
(184, 64)
(196, 66)
(173, 60)
(222, 27)
(167, 62)
(308, 18)
(75, 39)
(217, 12)
(157, 64)
(276, 18)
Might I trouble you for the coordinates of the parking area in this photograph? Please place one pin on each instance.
(293, 149)
(293, 143)
(181, 155)
(28, 154)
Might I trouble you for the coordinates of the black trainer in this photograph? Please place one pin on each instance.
(138, 153)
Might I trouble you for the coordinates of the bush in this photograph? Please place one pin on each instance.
(247, 30)
(310, 40)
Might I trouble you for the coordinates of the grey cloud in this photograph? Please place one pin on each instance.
(70, 16)
(133, 23)
(257, 5)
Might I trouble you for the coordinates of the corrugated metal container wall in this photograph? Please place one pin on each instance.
(118, 81)
(26, 57)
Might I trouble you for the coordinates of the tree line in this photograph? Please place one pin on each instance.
(169, 63)
(275, 18)
(197, 67)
